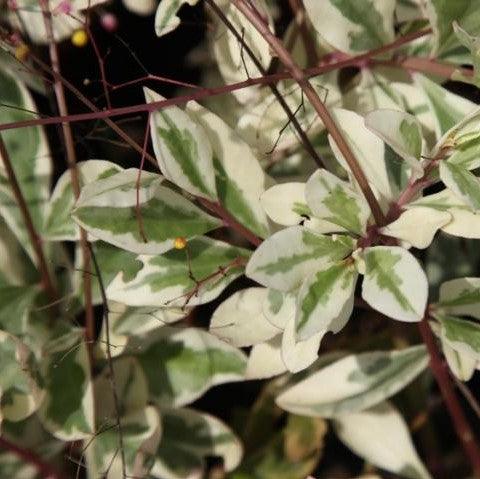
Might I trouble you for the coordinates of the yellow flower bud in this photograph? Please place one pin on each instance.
(180, 243)
(79, 38)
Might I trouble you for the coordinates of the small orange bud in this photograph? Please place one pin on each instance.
(180, 243)
(79, 38)
(21, 52)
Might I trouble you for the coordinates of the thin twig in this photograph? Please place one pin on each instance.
(35, 240)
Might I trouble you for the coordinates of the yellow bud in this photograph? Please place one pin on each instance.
(79, 38)
(21, 52)
(180, 242)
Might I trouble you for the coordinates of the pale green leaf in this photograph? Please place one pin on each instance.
(353, 26)
(171, 279)
(16, 303)
(283, 260)
(286, 204)
(265, 360)
(354, 383)
(182, 148)
(461, 334)
(381, 437)
(166, 19)
(107, 209)
(181, 364)
(333, 200)
(462, 182)
(279, 307)
(461, 296)
(325, 300)
(395, 283)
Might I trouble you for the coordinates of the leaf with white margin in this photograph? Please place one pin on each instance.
(353, 26)
(333, 200)
(417, 226)
(30, 157)
(354, 383)
(285, 203)
(188, 438)
(240, 321)
(279, 307)
(67, 410)
(21, 387)
(107, 209)
(466, 154)
(166, 19)
(325, 300)
(182, 149)
(126, 321)
(58, 225)
(166, 280)
(240, 180)
(462, 182)
(395, 283)
(461, 334)
(265, 360)
(472, 42)
(461, 297)
(141, 431)
(447, 108)
(381, 437)
(141, 7)
(377, 160)
(401, 131)
(283, 260)
(465, 222)
(298, 355)
(181, 364)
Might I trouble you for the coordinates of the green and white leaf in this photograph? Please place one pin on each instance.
(67, 410)
(30, 157)
(265, 360)
(166, 280)
(166, 19)
(352, 26)
(59, 225)
(240, 180)
(285, 203)
(447, 108)
(354, 383)
(181, 364)
(473, 44)
(182, 148)
(107, 209)
(240, 320)
(21, 387)
(395, 283)
(417, 226)
(298, 355)
(333, 200)
(402, 132)
(16, 304)
(189, 437)
(461, 297)
(325, 300)
(141, 7)
(284, 260)
(279, 307)
(381, 437)
(461, 334)
(462, 182)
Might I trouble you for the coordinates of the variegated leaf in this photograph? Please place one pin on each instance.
(240, 180)
(58, 225)
(67, 410)
(354, 383)
(417, 226)
(189, 437)
(166, 19)
(333, 200)
(191, 276)
(265, 360)
(240, 320)
(16, 304)
(325, 300)
(461, 296)
(181, 364)
(279, 307)
(461, 334)
(107, 209)
(472, 42)
(401, 131)
(462, 182)
(182, 148)
(353, 26)
(381, 437)
(395, 283)
(283, 260)
(21, 387)
(286, 204)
